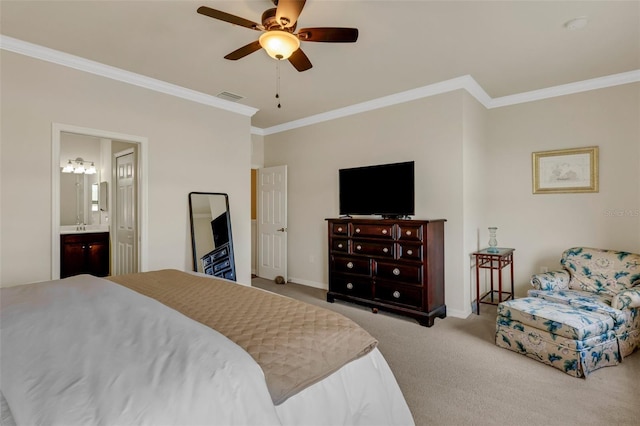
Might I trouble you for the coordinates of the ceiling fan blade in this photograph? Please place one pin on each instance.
(329, 35)
(300, 61)
(244, 51)
(288, 11)
(227, 17)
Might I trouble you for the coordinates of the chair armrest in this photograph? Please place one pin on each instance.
(626, 299)
(554, 280)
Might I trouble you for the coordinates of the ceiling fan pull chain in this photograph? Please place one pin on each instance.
(278, 82)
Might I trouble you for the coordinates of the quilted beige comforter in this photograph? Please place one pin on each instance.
(295, 343)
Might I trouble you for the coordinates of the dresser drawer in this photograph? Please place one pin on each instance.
(369, 230)
(340, 228)
(351, 265)
(408, 251)
(410, 232)
(341, 245)
(398, 293)
(352, 286)
(385, 249)
(393, 271)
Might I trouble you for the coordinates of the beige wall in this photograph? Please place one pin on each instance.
(192, 147)
(539, 226)
(474, 163)
(427, 131)
(473, 167)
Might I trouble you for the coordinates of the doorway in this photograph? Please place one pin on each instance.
(107, 137)
(272, 223)
(124, 224)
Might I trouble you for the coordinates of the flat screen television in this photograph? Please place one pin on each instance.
(220, 229)
(384, 189)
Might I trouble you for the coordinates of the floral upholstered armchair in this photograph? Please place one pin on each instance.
(602, 281)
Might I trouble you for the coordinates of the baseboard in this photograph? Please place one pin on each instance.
(309, 283)
(457, 313)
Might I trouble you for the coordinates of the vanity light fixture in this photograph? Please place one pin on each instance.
(79, 170)
(77, 166)
(68, 168)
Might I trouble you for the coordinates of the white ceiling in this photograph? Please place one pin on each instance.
(508, 47)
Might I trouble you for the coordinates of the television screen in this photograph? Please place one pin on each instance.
(220, 228)
(385, 189)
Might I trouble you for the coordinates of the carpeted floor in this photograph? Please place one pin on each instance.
(453, 374)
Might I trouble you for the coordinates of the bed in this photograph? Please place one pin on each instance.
(169, 347)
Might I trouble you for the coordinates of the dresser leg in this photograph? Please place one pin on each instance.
(330, 298)
(426, 322)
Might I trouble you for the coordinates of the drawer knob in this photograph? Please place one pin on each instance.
(357, 230)
(385, 250)
(339, 228)
(408, 232)
(358, 247)
(350, 286)
(396, 294)
(409, 252)
(350, 265)
(384, 231)
(396, 271)
(339, 245)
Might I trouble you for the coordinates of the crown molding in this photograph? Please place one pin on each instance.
(567, 89)
(50, 55)
(257, 131)
(465, 82)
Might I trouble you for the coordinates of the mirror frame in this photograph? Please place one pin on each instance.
(194, 255)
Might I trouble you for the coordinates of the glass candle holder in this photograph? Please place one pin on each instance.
(493, 242)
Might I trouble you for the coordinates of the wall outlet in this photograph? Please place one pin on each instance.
(544, 269)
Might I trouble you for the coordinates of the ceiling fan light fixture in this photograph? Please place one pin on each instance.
(279, 44)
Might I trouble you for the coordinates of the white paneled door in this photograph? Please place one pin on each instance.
(272, 222)
(126, 260)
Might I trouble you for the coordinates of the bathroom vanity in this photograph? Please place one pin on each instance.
(84, 253)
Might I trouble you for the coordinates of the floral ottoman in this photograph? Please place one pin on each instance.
(573, 340)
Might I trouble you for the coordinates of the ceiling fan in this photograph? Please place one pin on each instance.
(279, 39)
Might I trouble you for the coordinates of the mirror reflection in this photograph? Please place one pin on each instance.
(80, 167)
(211, 239)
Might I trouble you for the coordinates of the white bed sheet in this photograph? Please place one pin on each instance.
(363, 392)
(74, 349)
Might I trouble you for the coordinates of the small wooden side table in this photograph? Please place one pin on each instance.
(494, 259)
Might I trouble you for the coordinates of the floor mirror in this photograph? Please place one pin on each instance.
(211, 238)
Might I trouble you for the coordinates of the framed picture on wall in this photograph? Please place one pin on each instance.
(565, 170)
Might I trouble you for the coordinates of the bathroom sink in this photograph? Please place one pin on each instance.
(83, 229)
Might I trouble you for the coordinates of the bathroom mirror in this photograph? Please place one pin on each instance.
(78, 199)
(80, 166)
(211, 240)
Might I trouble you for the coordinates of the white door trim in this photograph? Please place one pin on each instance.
(143, 189)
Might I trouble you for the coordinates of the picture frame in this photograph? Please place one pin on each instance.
(572, 170)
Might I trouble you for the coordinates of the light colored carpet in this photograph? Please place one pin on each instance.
(453, 374)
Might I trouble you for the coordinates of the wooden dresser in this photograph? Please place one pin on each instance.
(219, 262)
(395, 265)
